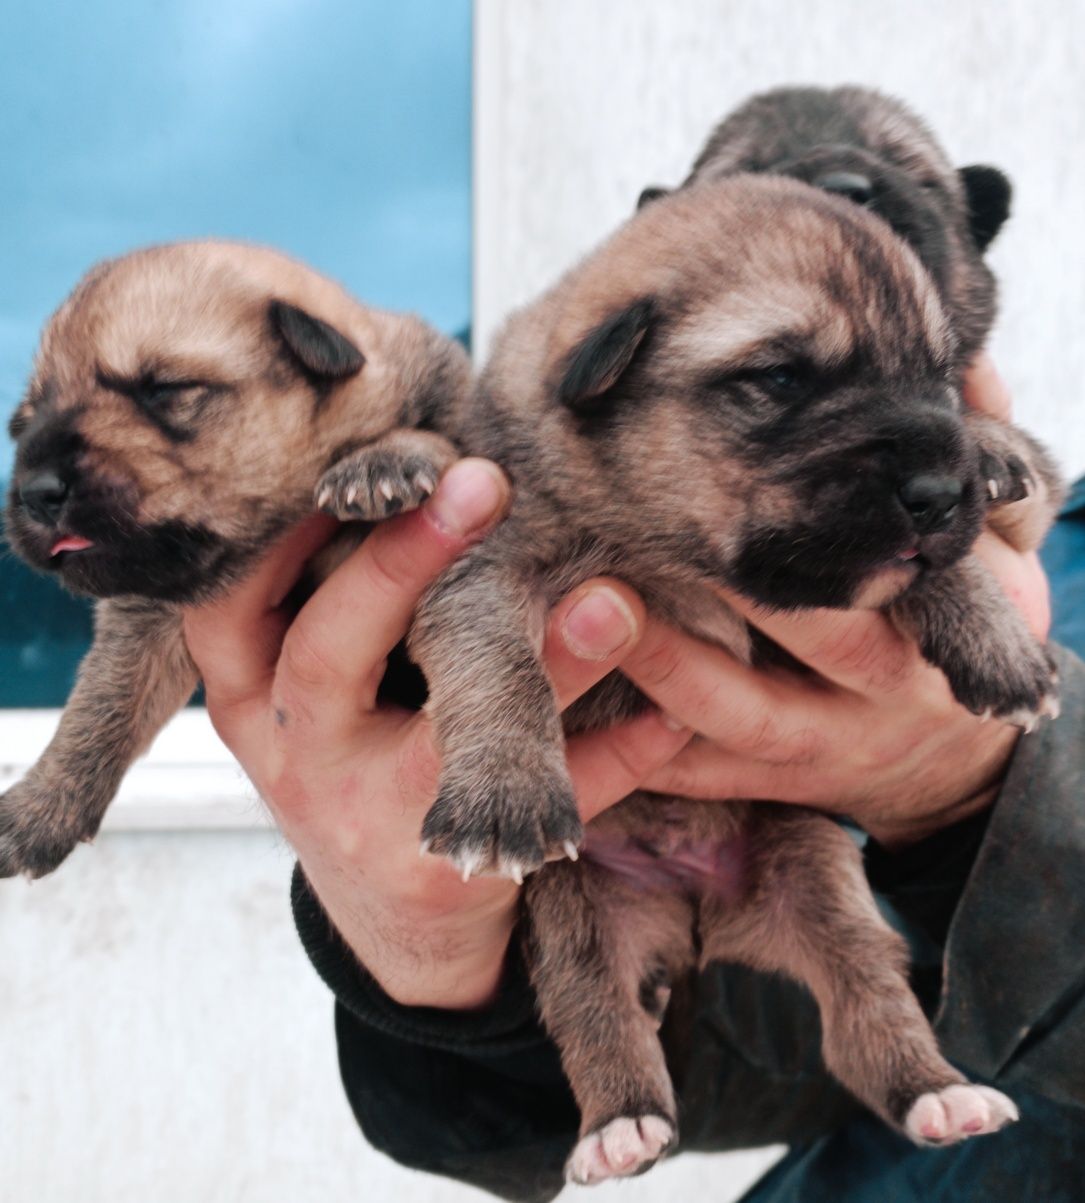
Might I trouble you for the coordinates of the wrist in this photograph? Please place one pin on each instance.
(452, 960)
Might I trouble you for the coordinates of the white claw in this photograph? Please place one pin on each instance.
(386, 490)
(992, 489)
(323, 498)
(466, 875)
(424, 847)
(985, 717)
(352, 495)
(427, 484)
(571, 850)
(516, 873)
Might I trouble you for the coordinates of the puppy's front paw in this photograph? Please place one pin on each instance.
(37, 831)
(627, 1145)
(502, 818)
(372, 484)
(1007, 477)
(947, 1116)
(1015, 680)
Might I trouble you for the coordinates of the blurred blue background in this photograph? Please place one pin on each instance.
(337, 131)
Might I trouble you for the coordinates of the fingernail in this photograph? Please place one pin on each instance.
(598, 625)
(469, 498)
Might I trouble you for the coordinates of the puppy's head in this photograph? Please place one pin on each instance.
(874, 151)
(754, 379)
(185, 399)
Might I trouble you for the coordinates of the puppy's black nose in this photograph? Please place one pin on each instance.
(851, 184)
(931, 500)
(43, 495)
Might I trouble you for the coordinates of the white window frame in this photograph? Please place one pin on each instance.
(187, 781)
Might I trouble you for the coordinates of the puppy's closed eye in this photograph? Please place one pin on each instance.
(784, 382)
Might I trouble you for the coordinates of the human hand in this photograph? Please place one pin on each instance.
(349, 780)
(873, 731)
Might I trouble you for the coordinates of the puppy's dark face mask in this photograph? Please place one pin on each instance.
(171, 425)
(791, 413)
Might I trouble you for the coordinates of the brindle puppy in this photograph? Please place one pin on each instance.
(873, 150)
(751, 386)
(189, 402)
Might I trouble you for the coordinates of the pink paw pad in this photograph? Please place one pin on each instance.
(957, 1112)
(621, 1148)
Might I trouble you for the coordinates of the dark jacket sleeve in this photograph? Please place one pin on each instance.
(1013, 1003)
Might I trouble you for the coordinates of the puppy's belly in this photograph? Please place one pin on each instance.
(657, 842)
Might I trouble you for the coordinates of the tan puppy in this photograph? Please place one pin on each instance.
(188, 403)
(751, 385)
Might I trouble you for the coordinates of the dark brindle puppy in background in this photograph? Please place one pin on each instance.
(750, 386)
(189, 402)
(873, 150)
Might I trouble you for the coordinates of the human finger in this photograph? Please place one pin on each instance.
(333, 654)
(235, 639)
(984, 389)
(705, 770)
(608, 765)
(749, 710)
(1022, 578)
(859, 650)
(588, 633)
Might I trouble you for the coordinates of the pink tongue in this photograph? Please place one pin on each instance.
(70, 543)
(910, 554)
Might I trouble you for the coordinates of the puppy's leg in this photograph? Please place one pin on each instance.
(136, 674)
(505, 802)
(393, 473)
(1024, 487)
(965, 626)
(601, 956)
(810, 914)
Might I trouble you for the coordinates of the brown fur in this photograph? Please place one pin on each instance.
(293, 391)
(643, 409)
(873, 149)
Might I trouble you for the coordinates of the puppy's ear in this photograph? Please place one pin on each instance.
(988, 193)
(651, 193)
(318, 347)
(598, 361)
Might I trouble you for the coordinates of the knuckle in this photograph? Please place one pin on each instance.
(659, 666)
(305, 662)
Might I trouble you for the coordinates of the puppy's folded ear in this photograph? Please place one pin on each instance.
(318, 347)
(651, 193)
(988, 193)
(599, 360)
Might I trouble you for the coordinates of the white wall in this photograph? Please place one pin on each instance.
(163, 1039)
(583, 102)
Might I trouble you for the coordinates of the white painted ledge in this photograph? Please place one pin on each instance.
(186, 781)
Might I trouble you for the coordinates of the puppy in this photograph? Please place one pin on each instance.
(188, 404)
(874, 151)
(751, 386)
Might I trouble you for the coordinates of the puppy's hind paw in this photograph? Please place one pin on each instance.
(627, 1145)
(947, 1116)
